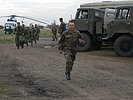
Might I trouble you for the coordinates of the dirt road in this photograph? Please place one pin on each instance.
(37, 73)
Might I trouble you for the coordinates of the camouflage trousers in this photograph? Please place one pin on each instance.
(17, 40)
(70, 56)
(54, 37)
(34, 38)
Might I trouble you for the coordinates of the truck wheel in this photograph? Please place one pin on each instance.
(97, 45)
(87, 45)
(123, 46)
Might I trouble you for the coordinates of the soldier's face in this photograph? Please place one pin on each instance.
(18, 24)
(71, 26)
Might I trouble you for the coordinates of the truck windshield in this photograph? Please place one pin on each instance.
(82, 14)
(124, 14)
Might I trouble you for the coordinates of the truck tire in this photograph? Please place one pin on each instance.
(87, 45)
(123, 46)
(97, 45)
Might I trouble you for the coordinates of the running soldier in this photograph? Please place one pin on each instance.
(54, 32)
(62, 26)
(37, 32)
(22, 37)
(33, 34)
(68, 43)
(27, 33)
(17, 32)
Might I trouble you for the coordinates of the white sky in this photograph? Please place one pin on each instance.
(43, 9)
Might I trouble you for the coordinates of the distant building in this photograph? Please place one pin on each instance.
(107, 4)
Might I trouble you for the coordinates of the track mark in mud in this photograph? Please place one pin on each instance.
(39, 87)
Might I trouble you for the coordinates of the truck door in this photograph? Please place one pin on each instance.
(122, 24)
(82, 20)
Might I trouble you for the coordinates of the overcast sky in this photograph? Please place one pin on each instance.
(44, 9)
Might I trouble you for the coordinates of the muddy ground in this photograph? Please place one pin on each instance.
(37, 73)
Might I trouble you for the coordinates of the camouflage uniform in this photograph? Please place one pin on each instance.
(33, 32)
(68, 44)
(37, 33)
(62, 28)
(27, 36)
(18, 32)
(54, 32)
(22, 37)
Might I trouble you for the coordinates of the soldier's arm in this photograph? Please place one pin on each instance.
(81, 39)
(61, 42)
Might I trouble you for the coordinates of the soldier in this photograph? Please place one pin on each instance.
(22, 37)
(54, 32)
(62, 27)
(37, 32)
(18, 32)
(33, 34)
(68, 43)
(30, 37)
(27, 33)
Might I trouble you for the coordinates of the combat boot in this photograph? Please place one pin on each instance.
(68, 77)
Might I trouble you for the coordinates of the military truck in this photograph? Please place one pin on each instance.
(114, 27)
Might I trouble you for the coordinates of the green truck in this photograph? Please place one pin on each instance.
(113, 26)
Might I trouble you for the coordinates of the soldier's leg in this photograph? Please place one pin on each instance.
(73, 55)
(37, 37)
(69, 62)
(34, 38)
(31, 40)
(55, 37)
(17, 41)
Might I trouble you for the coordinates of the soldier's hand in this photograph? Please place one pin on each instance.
(60, 51)
(80, 41)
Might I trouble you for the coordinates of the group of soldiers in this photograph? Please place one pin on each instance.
(67, 43)
(61, 29)
(25, 35)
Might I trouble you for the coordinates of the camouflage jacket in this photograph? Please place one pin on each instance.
(33, 31)
(69, 40)
(27, 32)
(54, 30)
(37, 30)
(23, 30)
(18, 30)
(62, 27)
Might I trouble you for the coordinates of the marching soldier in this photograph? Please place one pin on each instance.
(54, 32)
(37, 32)
(62, 26)
(27, 33)
(68, 43)
(18, 32)
(22, 37)
(33, 34)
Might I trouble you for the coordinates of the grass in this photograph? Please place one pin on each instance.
(4, 92)
(46, 33)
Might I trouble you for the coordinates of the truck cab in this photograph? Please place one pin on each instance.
(119, 31)
(89, 21)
